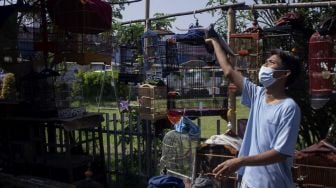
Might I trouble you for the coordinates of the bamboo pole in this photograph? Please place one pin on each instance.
(232, 91)
(242, 6)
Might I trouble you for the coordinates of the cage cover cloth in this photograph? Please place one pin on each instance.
(270, 126)
(165, 181)
(194, 36)
(186, 126)
(81, 16)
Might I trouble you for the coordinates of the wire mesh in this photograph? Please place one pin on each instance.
(315, 175)
(178, 154)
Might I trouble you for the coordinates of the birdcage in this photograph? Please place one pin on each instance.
(209, 156)
(310, 176)
(197, 87)
(315, 166)
(82, 30)
(290, 38)
(179, 149)
(156, 56)
(153, 102)
(130, 64)
(68, 91)
(248, 53)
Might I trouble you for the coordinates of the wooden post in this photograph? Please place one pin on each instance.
(232, 88)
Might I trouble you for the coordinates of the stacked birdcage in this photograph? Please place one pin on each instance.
(197, 87)
(157, 60)
(68, 92)
(153, 101)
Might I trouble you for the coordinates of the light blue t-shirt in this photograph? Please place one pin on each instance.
(270, 126)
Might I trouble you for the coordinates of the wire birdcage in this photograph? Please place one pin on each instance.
(197, 87)
(156, 55)
(179, 149)
(130, 64)
(287, 38)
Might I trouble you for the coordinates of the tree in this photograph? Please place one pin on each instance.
(164, 24)
(132, 32)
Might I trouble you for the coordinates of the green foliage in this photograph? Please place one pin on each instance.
(128, 33)
(162, 23)
(92, 82)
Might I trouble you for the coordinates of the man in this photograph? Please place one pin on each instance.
(265, 157)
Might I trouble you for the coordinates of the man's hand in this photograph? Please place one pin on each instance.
(227, 167)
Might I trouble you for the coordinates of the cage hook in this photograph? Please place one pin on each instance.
(195, 18)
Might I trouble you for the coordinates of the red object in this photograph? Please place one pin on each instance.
(81, 16)
(243, 52)
(232, 87)
(321, 60)
(174, 117)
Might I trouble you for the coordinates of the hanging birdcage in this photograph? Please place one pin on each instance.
(197, 87)
(179, 149)
(248, 53)
(130, 65)
(156, 56)
(292, 40)
(82, 30)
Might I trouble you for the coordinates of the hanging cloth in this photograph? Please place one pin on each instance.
(186, 126)
(194, 36)
(81, 16)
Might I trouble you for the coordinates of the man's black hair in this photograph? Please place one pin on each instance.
(289, 62)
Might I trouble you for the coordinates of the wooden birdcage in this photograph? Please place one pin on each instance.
(153, 101)
(315, 166)
(209, 156)
(247, 52)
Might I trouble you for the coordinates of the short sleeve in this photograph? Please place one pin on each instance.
(249, 92)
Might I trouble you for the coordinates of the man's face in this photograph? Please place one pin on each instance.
(275, 63)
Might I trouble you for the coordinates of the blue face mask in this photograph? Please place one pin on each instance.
(266, 76)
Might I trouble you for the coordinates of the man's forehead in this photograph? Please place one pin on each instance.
(275, 59)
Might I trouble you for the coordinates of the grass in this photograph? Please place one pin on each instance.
(208, 123)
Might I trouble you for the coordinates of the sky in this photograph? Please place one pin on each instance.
(136, 11)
